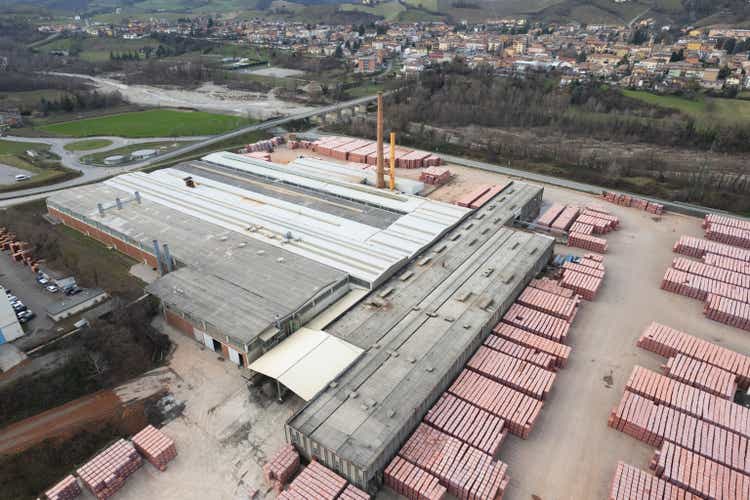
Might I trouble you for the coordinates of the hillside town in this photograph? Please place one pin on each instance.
(644, 55)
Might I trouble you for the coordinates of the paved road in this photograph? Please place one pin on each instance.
(91, 174)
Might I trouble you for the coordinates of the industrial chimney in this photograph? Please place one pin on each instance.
(381, 169)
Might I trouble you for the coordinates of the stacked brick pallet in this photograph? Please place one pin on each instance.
(472, 425)
(566, 218)
(520, 375)
(680, 466)
(580, 228)
(626, 200)
(66, 489)
(316, 481)
(549, 285)
(701, 375)
(698, 287)
(631, 483)
(729, 230)
(412, 482)
(587, 242)
(713, 272)
(435, 176)
(351, 492)
(364, 151)
(537, 322)
(465, 471)
(155, 446)
(559, 352)
(106, 473)
(731, 312)
(281, 467)
(531, 355)
(584, 284)
(697, 247)
(480, 196)
(267, 145)
(737, 266)
(668, 342)
(549, 215)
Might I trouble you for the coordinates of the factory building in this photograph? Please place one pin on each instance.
(417, 331)
(249, 251)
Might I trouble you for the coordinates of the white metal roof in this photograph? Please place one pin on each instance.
(10, 328)
(307, 361)
(314, 165)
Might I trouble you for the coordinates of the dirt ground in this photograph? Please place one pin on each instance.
(572, 454)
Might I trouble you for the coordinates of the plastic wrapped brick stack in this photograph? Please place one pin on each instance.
(106, 473)
(66, 489)
(282, 466)
(155, 446)
(412, 482)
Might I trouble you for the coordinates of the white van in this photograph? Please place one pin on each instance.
(22, 177)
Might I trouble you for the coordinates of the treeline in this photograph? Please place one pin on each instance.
(305, 63)
(15, 82)
(80, 101)
(187, 73)
(454, 95)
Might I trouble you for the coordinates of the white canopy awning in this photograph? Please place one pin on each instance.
(307, 361)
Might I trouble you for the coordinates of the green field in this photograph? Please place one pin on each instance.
(95, 49)
(88, 145)
(151, 123)
(45, 167)
(163, 147)
(17, 148)
(707, 110)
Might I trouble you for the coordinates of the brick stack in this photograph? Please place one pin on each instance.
(626, 200)
(537, 322)
(351, 492)
(106, 473)
(713, 272)
(731, 312)
(155, 446)
(701, 375)
(668, 342)
(282, 466)
(550, 303)
(66, 489)
(435, 176)
(681, 467)
(364, 151)
(592, 263)
(697, 247)
(631, 483)
(465, 471)
(587, 242)
(552, 286)
(612, 221)
(584, 284)
(467, 199)
(267, 145)
(729, 235)
(520, 375)
(528, 354)
(317, 481)
(698, 287)
(549, 215)
(581, 228)
(472, 425)
(598, 225)
(737, 266)
(413, 482)
(566, 218)
(478, 197)
(560, 352)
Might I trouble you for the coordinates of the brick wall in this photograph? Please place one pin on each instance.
(179, 323)
(107, 239)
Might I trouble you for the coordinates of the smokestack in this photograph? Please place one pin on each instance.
(157, 254)
(381, 170)
(393, 162)
(168, 258)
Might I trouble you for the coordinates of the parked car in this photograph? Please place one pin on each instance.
(26, 316)
(73, 290)
(12, 298)
(52, 288)
(42, 280)
(22, 177)
(8, 292)
(19, 307)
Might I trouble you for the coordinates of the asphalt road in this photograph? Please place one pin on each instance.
(92, 174)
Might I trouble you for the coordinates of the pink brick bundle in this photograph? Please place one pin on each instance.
(631, 483)
(266, 145)
(697, 247)
(587, 242)
(518, 410)
(592, 263)
(594, 207)
(614, 222)
(465, 471)
(584, 285)
(708, 271)
(594, 256)
(689, 400)
(600, 226)
(654, 424)
(578, 268)
(666, 341)
(351, 492)
(364, 151)
(699, 475)
(491, 193)
(537, 322)
(472, 425)
(725, 220)
(64, 490)
(259, 155)
(698, 287)
(467, 199)
(317, 481)
(566, 218)
(106, 473)
(413, 482)
(549, 215)
(435, 176)
(525, 377)
(737, 266)
(533, 356)
(155, 446)
(630, 201)
(282, 466)
(729, 235)
(552, 286)
(560, 352)
(728, 311)
(580, 228)
(548, 302)
(701, 375)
